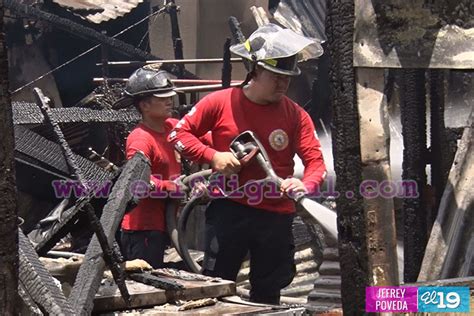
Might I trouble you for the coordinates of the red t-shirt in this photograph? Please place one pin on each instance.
(150, 212)
(283, 128)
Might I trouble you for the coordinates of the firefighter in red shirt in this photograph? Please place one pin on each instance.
(261, 225)
(143, 229)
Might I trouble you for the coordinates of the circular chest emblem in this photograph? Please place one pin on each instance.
(278, 139)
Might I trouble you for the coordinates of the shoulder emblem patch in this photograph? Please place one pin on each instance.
(278, 139)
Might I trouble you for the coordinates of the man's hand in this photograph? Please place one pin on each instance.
(180, 186)
(291, 186)
(225, 163)
(200, 189)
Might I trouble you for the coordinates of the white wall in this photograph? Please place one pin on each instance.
(204, 29)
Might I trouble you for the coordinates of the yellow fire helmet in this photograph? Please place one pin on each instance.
(277, 49)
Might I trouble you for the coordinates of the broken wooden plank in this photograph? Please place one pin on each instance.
(155, 281)
(197, 304)
(220, 308)
(43, 102)
(142, 295)
(65, 270)
(111, 254)
(375, 152)
(449, 252)
(108, 253)
(260, 15)
(62, 227)
(89, 276)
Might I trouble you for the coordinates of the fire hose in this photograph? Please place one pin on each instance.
(245, 147)
(171, 223)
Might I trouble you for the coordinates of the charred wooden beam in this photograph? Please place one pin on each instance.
(29, 306)
(450, 249)
(109, 257)
(104, 55)
(413, 117)
(227, 66)
(347, 158)
(193, 98)
(79, 30)
(38, 282)
(29, 114)
(8, 204)
(171, 9)
(153, 280)
(441, 157)
(237, 35)
(181, 96)
(43, 103)
(62, 227)
(110, 253)
(90, 274)
(41, 151)
(100, 160)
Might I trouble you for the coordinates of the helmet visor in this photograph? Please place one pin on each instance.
(165, 94)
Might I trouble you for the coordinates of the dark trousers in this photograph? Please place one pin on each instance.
(233, 230)
(148, 245)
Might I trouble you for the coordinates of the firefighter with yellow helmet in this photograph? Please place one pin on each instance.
(258, 225)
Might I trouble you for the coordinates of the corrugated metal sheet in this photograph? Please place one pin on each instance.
(79, 5)
(31, 2)
(112, 9)
(305, 17)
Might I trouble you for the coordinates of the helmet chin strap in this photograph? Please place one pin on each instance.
(253, 66)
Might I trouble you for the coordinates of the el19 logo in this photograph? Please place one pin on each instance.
(443, 299)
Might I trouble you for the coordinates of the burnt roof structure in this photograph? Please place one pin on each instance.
(98, 11)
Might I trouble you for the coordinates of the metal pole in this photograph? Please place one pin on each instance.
(105, 61)
(136, 63)
(187, 82)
